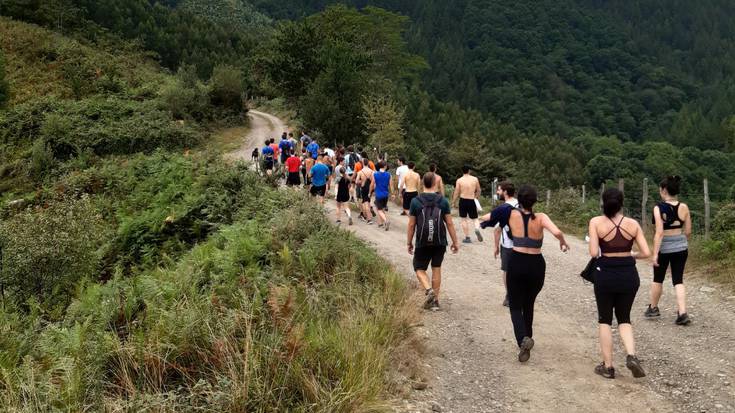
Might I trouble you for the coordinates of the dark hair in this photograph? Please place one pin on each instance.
(432, 167)
(527, 197)
(402, 159)
(411, 165)
(364, 158)
(350, 148)
(672, 184)
(273, 140)
(267, 142)
(466, 169)
(508, 187)
(382, 164)
(429, 179)
(342, 169)
(290, 134)
(612, 202)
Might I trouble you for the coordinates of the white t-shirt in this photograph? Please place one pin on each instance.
(401, 173)
(505, 240)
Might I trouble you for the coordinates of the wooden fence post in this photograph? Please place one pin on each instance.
(584, 194)
(548, 197)
(644, 201)
(706, 209)
(621, 184)
(602, 191)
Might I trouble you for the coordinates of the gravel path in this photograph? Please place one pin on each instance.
(262, 125)
(471, 363)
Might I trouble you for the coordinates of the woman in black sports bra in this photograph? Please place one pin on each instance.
(670, 246)
(526, 266)
(612, 236)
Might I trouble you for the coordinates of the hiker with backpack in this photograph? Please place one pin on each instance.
(304, 139)
(670, 247)
(268, 157)
(429, 221)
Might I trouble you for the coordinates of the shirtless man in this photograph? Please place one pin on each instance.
(467, 190)
(363, 182)
(439, 180)
(409, 187)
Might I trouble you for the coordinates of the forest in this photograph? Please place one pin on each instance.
(107, 113)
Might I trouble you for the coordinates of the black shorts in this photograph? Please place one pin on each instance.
(268, 164)
(318, 190)
(467, 207)
(293, 179)
(365, 194)
(677, 260)
(407, 198)
(425, 256)
(381, 204)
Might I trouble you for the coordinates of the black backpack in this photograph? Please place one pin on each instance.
(430, 226)
(669, 213)
(352, 161)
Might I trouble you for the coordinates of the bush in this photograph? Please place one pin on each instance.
(185, 97)
(48, 252)
(226, 88)
(567, 210)
(4, 87)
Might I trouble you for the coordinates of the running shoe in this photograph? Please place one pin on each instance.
(479, 235)
(435, 305)
(370, 222)
(387, 225)
(380, 225)
(632, 363)
(350, 221)
(652, 312)
(506, 302)
(403, 213)
(467, 240)
(430, 298)
(606, 372)
(339, 221)
(526, 346)
(682, 319)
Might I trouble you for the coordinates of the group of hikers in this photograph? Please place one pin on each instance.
(518, 233)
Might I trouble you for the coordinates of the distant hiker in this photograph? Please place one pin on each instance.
(284, 146)
(670, 247)
(304, 139)
(467, 191)
(401, 172)
(429, 220)
(363, 181)
(343, 193)
(254, 155)
(351, 161)
(293, 165)
(274, 146)
(294, 143)
(268, 157)
(612, 236)
(503, 243)
(439, 181)
(409, 187)
(304, 172)
(313, 148)
(319, 174)
(382, 187)
(308, 164)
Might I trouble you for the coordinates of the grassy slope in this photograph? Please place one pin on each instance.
(213, 300)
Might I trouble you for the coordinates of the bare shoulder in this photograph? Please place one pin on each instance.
(683, 207)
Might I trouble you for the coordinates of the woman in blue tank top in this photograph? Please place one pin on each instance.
(381, 186)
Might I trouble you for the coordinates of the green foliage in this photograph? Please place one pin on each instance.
(48, 252)
(4, 86)
(566, 208)
(186, 97)
(226, 88)
(384, 125)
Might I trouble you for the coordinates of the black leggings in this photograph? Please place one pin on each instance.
(526, 273)
(616, 284)
(677, 260)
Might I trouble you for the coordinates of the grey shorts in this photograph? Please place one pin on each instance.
(505, 254)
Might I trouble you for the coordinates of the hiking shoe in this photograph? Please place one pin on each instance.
(370, 222)
(339, 221)
(403, 213)
(467, 240)
(380, 225)
(652, 312)
(435, 305)
(506, 303)
(350, 221)
(682, 319)
(387, 225)
(606, 372)
(479, 235)
(526, 346)
(632, 363)
(430, 298)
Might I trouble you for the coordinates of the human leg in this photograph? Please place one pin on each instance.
(678, 262)
(659, 273)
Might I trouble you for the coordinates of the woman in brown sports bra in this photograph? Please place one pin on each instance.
(612, 236)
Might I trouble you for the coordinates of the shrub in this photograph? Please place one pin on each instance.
(567, 210)
(226, 88)
(47, 252)
(185, 96)
(4, 87)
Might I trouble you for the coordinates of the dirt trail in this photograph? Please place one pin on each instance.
(262, 126)
(471, 364)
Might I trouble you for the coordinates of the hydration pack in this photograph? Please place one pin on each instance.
(430, 227)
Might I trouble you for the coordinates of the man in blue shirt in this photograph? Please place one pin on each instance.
(285, 146)
(319, 174)
(313, 149)
(268, 156)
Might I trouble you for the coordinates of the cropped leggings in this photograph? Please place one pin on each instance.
(677, 260)
(526, 273)
(616, 284)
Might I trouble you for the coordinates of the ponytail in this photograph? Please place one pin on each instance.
(527, 197)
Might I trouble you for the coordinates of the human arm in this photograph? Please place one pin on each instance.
(594, 245)
(410, 233)
(496, 236)
(658, 235)
(455, 194)
(549, 225)
(687, 222)
(478, 189)
(441, 187)
(372, 185)
(452, 232)
(640, 240)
